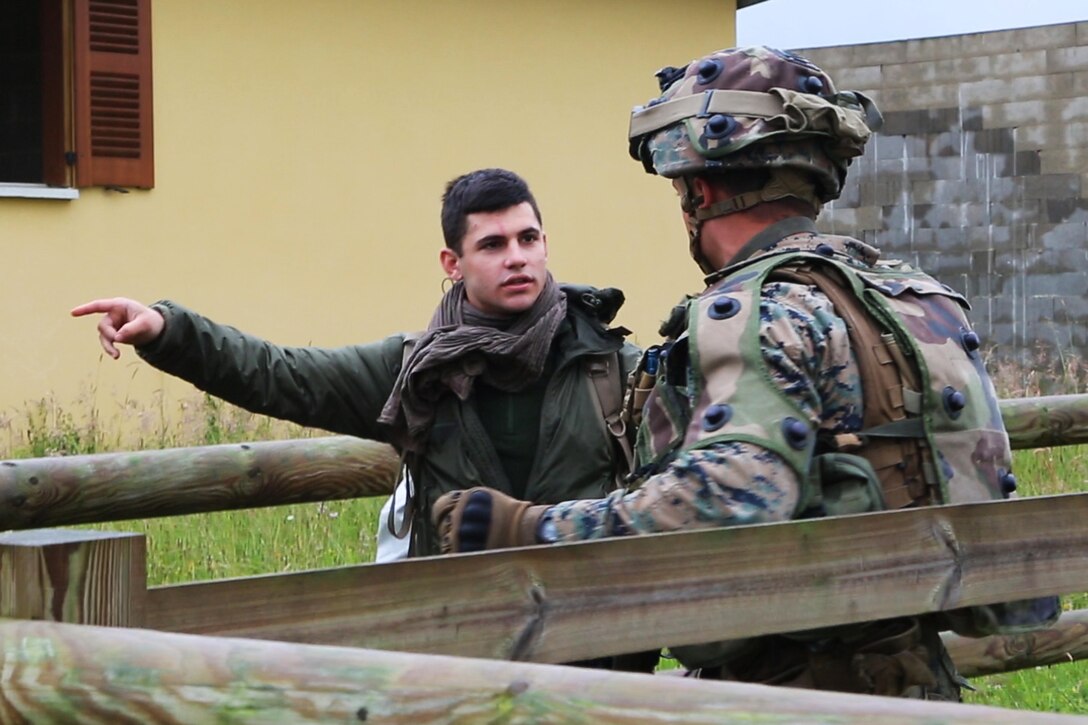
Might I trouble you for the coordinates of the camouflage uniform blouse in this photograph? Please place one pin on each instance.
(807, 355)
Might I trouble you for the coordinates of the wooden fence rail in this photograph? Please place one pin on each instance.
(68, 673)
(563, 603)
(41, 492)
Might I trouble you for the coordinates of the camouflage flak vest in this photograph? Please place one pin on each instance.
(931, 431)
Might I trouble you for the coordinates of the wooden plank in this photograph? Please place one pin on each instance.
(1055, 420)
(83, 577)
(563, 603)
(69, 673)
(1066, 641)
(39, 492)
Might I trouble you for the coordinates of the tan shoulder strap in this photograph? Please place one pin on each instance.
(892, 438)
(405, 527)
(604, 375)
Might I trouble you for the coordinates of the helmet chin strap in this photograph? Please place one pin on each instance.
(782, 183)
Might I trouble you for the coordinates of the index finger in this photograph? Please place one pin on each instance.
(102, 305)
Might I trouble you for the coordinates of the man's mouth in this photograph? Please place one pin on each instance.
(517, 281)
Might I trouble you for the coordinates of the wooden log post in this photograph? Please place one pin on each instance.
(1066, 641)
(1054, 420)
(82, 577)
(66, 673)
(57, 491)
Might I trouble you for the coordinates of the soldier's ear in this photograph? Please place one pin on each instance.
(703, 193)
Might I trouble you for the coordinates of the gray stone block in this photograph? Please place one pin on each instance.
(1067, 59)
(1063, 236)
(991, 140)
(1056, 211)
(979, 238)
(1017, 113)
(877, 54)
(850, 196)
(1063, 161)
(1019, 39)
(946, 143)
(982, 168)
(1023, 238)
(1038, 307)
(1002, 189)
(1003, 309)
(940, 167)
(921, 95)
(884, 188)
(896, 218)
(1024, 163)
(955, 256)
(904, 122)
(974, 214)
(1018, 64)
(886, 146)
(1002, 90)
(858, 78)
(971, 118)
(1052, 135)
(1080, 82)
(1052, 186)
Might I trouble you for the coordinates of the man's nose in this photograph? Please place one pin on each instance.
(515, 255)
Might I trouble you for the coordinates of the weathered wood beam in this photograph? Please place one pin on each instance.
(82, 577)
(39, 492)
(1055, 420)
(1066, 641)
(78, 673)
(564, 603)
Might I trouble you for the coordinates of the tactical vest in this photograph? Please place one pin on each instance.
(931, 430)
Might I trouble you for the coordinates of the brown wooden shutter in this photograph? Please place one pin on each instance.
(113, 93)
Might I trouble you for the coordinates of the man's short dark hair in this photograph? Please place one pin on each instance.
(481, 191)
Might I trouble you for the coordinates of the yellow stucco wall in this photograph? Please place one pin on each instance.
(301, 150)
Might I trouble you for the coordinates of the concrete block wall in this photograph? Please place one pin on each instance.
(980, 174)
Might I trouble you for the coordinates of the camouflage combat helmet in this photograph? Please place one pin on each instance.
(752, 108)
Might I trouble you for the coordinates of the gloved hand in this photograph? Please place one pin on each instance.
(483, 518)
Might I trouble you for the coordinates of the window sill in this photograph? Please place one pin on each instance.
(37, 191)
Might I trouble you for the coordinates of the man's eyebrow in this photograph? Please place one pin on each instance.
(488, 239)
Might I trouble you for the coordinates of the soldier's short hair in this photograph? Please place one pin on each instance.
(482, 190)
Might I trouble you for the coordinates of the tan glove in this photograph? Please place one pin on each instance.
(483, 518)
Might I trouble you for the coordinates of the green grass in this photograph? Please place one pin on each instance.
(256, 541)
(313, 536)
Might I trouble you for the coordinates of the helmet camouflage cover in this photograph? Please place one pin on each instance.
(752, 108)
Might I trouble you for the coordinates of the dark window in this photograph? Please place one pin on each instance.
(75, 92)
(20, 92)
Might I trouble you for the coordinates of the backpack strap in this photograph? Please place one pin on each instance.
(405, 527)
(892, 438)
(604, 375)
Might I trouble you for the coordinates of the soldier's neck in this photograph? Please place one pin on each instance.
(723, 237)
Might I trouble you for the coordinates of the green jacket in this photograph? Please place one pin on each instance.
(344, 389)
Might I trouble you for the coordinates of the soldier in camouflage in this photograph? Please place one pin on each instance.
(809, 378)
